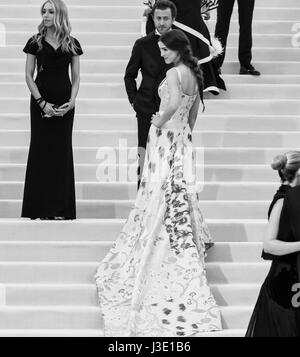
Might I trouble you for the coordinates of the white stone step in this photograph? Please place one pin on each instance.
(108, 230)
(99, 333)
(84, 12)
(51, 295)
(101, 78)
(223, 333)
(77, 333)
(123, 52)
(86, 294)
(262, 79)
(106, 78)
(117, 90)
(87, 2)
(135, 12)
(47, 317)
(211, 173)
(122, 25)
(236, 294)
(213, 106)
(236, 317)
(120, 209)
(67, 251)
(119, 66)
(259, 91)
(127, 39)
(83, 273)
(47, 273)
(212, 156)
(259, 3)
(234, 273)
(127, 190)
(108, 138)
(122, 122)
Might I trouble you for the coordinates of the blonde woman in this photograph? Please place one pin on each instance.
(276, 313)
(49, 191)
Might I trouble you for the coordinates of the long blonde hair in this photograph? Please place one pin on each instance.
(62, 27)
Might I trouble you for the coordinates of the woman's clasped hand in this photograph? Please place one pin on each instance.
(51, 109)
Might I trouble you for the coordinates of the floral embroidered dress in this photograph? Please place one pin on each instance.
(153, 280)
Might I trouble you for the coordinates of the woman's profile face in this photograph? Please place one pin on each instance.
(48, 15)
(168, 55)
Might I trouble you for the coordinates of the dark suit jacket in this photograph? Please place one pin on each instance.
(146, 57)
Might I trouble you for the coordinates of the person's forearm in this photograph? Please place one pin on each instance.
(131, 88)
(277, 247)
(167, 114)
(75, 89)
(132, 71)
(33, 87)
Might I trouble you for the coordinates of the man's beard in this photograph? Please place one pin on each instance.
(163, 30)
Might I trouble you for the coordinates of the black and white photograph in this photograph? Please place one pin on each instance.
(150, 171)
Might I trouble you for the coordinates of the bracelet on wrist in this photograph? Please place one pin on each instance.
(40, 100)
(44, 105)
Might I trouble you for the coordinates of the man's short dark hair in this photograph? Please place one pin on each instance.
(163, 5)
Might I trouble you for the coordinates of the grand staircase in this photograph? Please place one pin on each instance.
(47, 268)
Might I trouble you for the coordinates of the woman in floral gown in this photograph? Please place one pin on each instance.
(153, 280)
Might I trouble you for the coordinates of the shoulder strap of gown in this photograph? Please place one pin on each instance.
(179, 74)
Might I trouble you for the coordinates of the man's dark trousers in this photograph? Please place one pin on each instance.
(224, 12)
(145, 57)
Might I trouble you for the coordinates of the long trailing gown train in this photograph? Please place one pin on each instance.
(153, 280)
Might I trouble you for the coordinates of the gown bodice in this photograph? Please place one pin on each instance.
(179, 120)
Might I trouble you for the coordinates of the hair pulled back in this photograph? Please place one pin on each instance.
(287, 165)
(176, 40)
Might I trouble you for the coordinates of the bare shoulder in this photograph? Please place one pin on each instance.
(277, 208)
(172, 74)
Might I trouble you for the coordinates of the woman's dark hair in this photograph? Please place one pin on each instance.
(176, 40)
(287, 165)
(163, 5)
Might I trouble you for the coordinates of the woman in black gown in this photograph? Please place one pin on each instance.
(276, 313)
(49, 191)
(189, 14)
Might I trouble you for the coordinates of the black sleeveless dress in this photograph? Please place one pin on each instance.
(275, 313)
(49, 184)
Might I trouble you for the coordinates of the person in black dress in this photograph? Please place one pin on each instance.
(189, 14)
(49, 191)
(276, 313)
